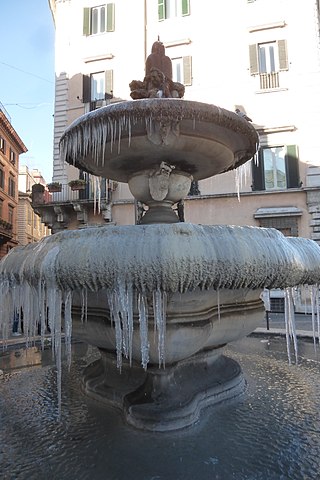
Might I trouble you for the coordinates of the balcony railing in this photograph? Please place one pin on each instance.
(68, 195)
(5, 228)
(269, 80)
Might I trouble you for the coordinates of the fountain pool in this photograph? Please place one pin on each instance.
(271, 432)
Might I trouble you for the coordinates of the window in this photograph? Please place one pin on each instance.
(12, 157)
(98, 19)
(1, 178)
(10, 214)
(97, 88)
(276, 168)
(267, 60)
(173, 8)
(12, 187)
(1, 207)
(182, 70)
(2, 145)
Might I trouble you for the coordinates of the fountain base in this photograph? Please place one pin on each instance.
(165, 399)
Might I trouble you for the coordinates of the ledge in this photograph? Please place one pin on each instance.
(267, 26)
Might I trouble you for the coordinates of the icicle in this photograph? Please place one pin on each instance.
(143, 321)
(290, 323)
(286, 318)
(314, 291)
(68, 325)
(318, 313)
(159, 312)
(218, 301)
(84, 305)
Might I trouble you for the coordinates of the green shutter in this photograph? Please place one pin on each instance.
(187, 70)
(283, 55)
(292, 166)
(258, 172)
(161, 10)
(110, 17)
(254, 59)
(185, 7)
(86, 21)
(108, 82)
(86, 89)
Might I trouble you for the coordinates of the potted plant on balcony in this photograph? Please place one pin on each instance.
(78, 184)
(54, 187)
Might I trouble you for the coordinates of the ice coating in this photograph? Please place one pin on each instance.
(172, 258)
(122, 138)
(151, 260)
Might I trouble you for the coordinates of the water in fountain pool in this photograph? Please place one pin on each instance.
(272, 432)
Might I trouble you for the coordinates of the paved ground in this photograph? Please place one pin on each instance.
(276, 324)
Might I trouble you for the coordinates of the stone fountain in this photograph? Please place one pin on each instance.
(160, 299)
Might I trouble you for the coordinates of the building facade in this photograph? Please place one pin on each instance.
(30, 228)
(11, 146)
(261, 59)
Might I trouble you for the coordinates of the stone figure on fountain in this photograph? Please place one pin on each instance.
(158, 81)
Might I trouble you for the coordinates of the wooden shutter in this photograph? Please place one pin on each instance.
(86, 89)
(187, 70)
(292, 167)
(86, 21)
(258, 173)
(283, 55)
(161, 10)
(110, 17)
(108, 83)
(254, 59)
(185, 7)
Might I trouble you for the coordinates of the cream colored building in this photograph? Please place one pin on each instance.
(261, 56)
(30, 227)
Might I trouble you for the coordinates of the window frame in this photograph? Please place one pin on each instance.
(87, 88)
(185, 66)
(109, 19)
(281, 56)
(291, 159)
(12, 186)
(10, 214)
(2, 177)
(3, 145)
(172, 9)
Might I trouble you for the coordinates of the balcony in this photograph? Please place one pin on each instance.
(72, 208)
(269, 80)
(6, 232)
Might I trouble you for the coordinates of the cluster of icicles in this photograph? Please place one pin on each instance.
(140, 265)
(93, 133)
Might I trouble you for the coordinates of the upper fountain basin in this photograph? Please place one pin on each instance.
(121, 139)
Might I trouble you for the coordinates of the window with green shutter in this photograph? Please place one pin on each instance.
(97, 88)
(276, 168)
(99, 19)
(161, 10)
(173, 8)
(185, 7)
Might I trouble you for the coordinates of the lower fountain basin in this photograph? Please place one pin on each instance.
(169, 297)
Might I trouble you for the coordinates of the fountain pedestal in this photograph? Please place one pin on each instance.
(165, 399)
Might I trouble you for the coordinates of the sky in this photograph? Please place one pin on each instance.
(27, 77)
